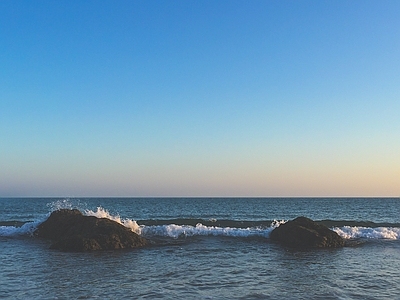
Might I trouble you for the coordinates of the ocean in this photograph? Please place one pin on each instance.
(208, 248)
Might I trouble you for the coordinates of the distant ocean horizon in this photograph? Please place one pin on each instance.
(213, 248)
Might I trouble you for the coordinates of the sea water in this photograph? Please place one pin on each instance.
(209, 248)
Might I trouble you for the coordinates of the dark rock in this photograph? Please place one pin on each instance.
(305, 233)
(70, 230)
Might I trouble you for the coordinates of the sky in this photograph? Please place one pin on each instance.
(199, 98)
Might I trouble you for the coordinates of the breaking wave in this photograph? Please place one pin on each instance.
(181, 228)
(103, 213)
(185, 228)
(349, 232)
(25, 229)
(177, 231)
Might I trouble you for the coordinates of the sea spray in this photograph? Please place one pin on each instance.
(66, 203)
(103, 213)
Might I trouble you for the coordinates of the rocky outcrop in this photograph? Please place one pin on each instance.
(305, 233)
(70, 230)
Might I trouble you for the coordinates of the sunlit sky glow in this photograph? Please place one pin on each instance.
(199, 98)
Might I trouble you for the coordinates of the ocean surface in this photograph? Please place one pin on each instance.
(209, 248)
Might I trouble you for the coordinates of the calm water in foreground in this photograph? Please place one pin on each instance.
(210, 248)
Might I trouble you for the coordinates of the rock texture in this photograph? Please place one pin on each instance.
(305, 233)
(70, 230)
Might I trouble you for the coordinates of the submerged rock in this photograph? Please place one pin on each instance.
(70, 230)
(305, 233)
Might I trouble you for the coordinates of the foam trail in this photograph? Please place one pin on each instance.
(349, 232)
(103, 213)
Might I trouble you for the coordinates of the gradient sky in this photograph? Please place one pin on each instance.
(199, 98)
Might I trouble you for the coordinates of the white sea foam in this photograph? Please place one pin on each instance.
(25, 230)
(349, 232)
(103, 213)
(176, 231)
(171, 230)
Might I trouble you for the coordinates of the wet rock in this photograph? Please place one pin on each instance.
(70, 230)
(305, 233)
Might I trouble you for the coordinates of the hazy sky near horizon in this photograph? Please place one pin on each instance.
(199, 98)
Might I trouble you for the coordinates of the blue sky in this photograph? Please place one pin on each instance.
(199, 98)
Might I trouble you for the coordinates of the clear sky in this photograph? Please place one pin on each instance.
(199, 98)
